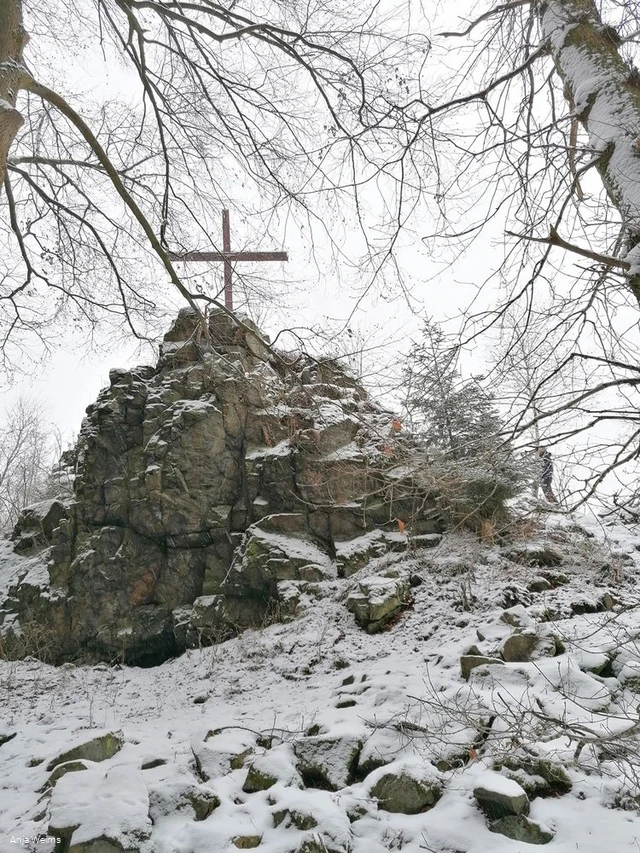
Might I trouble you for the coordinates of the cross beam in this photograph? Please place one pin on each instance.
(228, 258)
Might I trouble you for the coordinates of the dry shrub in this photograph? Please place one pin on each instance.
(488, 531)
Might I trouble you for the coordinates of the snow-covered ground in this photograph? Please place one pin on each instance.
(194, 727)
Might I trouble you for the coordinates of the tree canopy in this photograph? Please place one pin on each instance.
(270, 105)
(507, 132)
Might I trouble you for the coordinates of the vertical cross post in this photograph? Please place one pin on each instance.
(226, 248)
(228, 258)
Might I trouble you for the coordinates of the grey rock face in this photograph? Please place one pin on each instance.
(404, 794)
(498, 802)
(205, 488)
(377, 600)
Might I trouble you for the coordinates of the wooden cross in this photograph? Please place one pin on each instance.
(228, 258)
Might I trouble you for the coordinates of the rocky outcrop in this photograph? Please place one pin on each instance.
(211, 492)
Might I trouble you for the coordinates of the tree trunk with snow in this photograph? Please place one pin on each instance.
(12, 42)
(604, 94)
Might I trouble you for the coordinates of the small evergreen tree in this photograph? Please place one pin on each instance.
(456, 417)
(472, 464)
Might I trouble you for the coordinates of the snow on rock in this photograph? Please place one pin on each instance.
(517, 617)
(520, 828)
(519, 646)
(102, 806)
(97, 748)
(408, 786)
(174, 793)
(383, 747)
(605, 99)
(222, 751)
(376, 600)
(327, 761)
(499, 796)
(278, 766)
(559, 731)
(354, 554)
(469, 662)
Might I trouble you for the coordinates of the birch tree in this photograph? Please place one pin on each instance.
(603, 93)
(536, 123)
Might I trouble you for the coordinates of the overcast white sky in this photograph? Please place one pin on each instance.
(384, 320)
(69, 379)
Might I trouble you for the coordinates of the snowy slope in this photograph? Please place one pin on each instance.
(194, 727)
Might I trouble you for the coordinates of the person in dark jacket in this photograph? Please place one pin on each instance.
(546, 474)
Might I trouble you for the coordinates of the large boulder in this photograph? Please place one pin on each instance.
(469, 662)
(274, 765)
(499, 796)
(407, 792)
(98, 748)
(221, 752)
(326, 761)
(173, 791)
(518, 647)
(520, 828)
(204, 488)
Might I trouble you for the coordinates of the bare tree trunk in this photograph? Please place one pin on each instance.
(12, 42)
(604, 93)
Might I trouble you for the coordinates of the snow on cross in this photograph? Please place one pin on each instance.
(228, 258)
